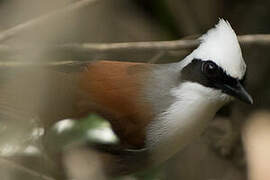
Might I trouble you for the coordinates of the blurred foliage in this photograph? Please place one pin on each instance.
(92, 129)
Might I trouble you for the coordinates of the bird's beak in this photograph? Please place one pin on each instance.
(238, 91)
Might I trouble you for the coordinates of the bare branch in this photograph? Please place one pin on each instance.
(152, 45)
(254, 39)
(263, 39)
(33, 22)
(90, 48)
(10, 64)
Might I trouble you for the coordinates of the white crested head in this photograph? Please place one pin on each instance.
(221, 46)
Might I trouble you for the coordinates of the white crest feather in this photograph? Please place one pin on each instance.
(221, 46)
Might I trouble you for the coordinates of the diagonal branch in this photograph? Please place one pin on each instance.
(33, 22)
(19, 167)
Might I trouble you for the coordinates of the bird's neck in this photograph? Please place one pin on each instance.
(184, 120)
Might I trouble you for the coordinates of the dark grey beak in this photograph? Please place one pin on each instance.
(239, 92)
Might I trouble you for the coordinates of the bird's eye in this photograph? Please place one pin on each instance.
(210, 69)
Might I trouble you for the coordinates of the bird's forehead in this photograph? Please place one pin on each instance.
(220, 45)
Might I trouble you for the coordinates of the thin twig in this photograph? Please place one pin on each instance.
(258, 39)
(156, 57)
(33, 22)
(246, 40)
(25, 169)
(151, 45)
(11, 64)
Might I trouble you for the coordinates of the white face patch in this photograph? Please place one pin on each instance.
(184, 120)
(221, 46)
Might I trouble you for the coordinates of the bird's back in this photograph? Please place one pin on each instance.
(114, 90)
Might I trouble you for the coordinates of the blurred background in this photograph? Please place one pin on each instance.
(37, 34)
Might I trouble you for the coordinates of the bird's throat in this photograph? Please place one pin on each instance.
(183, 121)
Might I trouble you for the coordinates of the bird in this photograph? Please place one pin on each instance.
(155, 109)
(163, 107)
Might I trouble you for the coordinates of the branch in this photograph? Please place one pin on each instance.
(33, 22)
(151, 45)
(12, 64)
(256, 39)
(90, 48)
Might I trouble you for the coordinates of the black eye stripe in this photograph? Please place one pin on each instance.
(194, 72)
(210, 69)
(222, 72)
